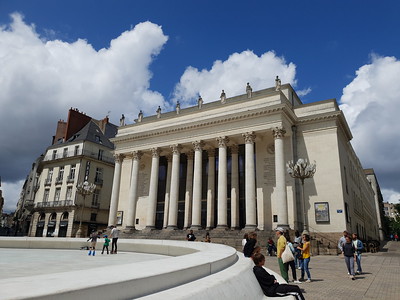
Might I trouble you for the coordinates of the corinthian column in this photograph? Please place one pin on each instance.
(235, 187)
(250, 180)
(174, 195)
(222, 183)
(132, 197)
(167, 190)
(189, 189)
(279, 134)
(153, 189)
(197, 179)
(210, 188)
(112, 217)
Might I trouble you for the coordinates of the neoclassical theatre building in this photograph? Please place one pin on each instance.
(223, 165)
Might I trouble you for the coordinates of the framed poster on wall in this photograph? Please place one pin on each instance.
(321, 211)
(120, 215)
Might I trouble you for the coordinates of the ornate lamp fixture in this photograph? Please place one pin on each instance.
(83, 188)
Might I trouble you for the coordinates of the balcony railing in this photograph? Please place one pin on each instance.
(28, 203)
(70, 179)
(59, 180)
(62, 203)
(103, 157)
(47, 182)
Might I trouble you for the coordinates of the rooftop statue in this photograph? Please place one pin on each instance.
(249, 90)
(140, 116)
(200, 102)
(223, 97)
(158, 111)
(277, 84)
(122, 120)
(178, 107)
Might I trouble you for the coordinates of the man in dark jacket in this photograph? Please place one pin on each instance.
(269, 284)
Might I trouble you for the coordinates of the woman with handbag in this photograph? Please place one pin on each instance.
(281, 245)
(306, 257)
(291, 263)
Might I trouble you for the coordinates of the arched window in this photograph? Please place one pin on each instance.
(53, 217)
(64, 216)
(41, 217)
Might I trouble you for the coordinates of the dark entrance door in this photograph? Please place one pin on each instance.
(39, 229)
(62, 232)
(50, 229)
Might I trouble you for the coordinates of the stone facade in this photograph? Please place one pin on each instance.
(223, 165)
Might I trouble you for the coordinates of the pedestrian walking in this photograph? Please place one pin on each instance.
(114, 236)
(93, 240)
(349, 256)
(296, 243)
(106, 244)
(358, 245)
(305, 250)
(281, 245)
(291, 263)
(342, 241)
(269, 284)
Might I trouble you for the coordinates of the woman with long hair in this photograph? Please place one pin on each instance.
(306, 257)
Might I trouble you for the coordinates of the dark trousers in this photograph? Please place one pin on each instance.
(104, 247)
(114, 245)
(293, 267)
(288, 289)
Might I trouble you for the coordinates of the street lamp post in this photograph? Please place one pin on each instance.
(302, 169)
(84, 189)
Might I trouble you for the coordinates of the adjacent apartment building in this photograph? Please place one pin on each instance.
(81, 151)
(222, 165)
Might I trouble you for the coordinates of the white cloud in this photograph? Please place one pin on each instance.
(391, 196)
(371, 103)
(40, 79)
(232, 75)
(11, 193)
(304, 92)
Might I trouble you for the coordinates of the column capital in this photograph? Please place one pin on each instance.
(176, 148)
(278, 132)
(137, 155)
(190, 155)
(249, 137)
(198, 145)
(234, 149)
(155, 152)
(222, 141)
(119, 158)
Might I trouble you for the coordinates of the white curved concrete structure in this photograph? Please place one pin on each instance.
(193, 271)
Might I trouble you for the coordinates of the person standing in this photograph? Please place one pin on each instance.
(358, 245)
(306, 257)
(291, 263)
(281, 245)
(250, 245)
(269, 284)
(106, 244)
(342, 241)
(297, 243)
(245, 239)
(114, 237)
(349, 256)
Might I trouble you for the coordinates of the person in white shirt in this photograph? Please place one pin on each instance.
(114, 235)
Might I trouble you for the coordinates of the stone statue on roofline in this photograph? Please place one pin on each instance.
(223, 97)
(277, 84)
(158, 111)
(178, 107)
(122, 120)
(200, 102)
(249, 90)
(140, 116)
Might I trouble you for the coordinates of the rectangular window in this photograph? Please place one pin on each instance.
(50, 174)
(46, 195)
(54, 154)
(93, 217)
(65, 152)
(100, 154)
(96, 198)
(68, 195)
(72, 172)
(61, 173)
(98, 179)
(76, 151)
(57, 194)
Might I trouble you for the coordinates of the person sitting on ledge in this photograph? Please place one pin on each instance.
(269, 284)
(250, 245)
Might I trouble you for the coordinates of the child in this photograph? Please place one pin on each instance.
(269, 284)
(106, 243)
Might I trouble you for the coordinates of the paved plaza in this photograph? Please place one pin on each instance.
(380, 278)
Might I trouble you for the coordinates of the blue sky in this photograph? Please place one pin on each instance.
(321, 45)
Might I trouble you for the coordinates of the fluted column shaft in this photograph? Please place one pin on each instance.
(197, 179)
(222, 183)
(174, 194)
(279, 134)
(167, 191)
(112, 217)
(250, 181)
(153, 189)
(210, 188)
(132, 197)
(235, 187)
(189, 190)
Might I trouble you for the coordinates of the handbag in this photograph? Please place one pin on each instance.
(287, 255)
